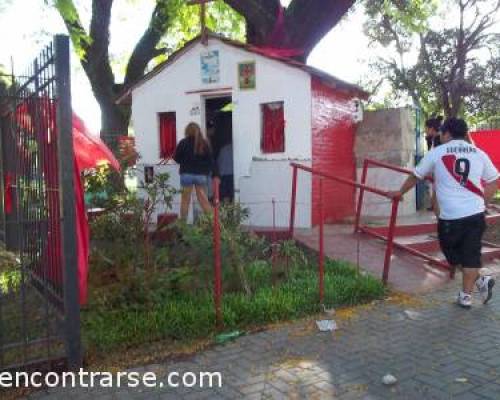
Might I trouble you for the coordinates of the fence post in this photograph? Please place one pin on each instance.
(359, 206)
(217, 257)
(390, 239)
(293, 201)
(66, 178)
(321, 244)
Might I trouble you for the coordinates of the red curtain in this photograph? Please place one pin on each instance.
(168, 135)
(273, 128)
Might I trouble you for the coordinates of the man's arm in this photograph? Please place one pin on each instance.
(408, 184)
(490, 190)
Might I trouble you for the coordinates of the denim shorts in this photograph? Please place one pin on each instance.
(188, 180)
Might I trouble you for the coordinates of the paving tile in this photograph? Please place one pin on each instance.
(426, 356)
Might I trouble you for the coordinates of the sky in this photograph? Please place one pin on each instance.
(343, 52)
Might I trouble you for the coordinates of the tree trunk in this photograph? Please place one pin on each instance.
(114, 122)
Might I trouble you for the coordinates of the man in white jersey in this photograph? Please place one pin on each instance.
(465, 180)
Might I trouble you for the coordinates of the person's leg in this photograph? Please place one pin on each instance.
(202, 198)
(470, 276)
(225, 188)
(450, 235)
(185, 200)
(475, 229)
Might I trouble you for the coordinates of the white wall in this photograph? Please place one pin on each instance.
(270, 180)
(253, 170)
(396, 127)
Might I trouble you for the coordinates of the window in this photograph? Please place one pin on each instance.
(273, 128)
(168, 134)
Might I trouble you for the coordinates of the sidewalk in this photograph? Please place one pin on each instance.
(443, 352)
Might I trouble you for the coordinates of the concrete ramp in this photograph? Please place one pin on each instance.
(408, 273)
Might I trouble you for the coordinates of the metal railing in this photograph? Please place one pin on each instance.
(358, 227)
(37, 146)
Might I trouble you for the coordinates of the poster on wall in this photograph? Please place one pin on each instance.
(247, 75)
(210, 66)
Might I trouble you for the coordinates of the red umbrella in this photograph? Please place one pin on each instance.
(90, 150)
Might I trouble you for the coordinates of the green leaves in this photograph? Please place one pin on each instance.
(435, 65)
(69, 13)
(184, 23)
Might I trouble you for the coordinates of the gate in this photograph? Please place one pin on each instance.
(39, 310)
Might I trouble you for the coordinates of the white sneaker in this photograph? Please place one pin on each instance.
(485, 286)
(464, 300)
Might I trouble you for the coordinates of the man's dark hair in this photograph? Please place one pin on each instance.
(434, 122)
(456, 126)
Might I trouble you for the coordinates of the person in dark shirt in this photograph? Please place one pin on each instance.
(432, 132)
(433, 139)
(196, 163)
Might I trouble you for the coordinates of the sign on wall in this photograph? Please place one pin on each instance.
(247, 75)
(210, 66)
(195, 110)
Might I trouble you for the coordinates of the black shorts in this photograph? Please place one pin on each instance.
(461, 240)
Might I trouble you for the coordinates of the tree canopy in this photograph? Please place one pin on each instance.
(447, 57)
(261, 22)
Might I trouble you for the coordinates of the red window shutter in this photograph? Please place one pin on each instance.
(273, 128)
(168, 135)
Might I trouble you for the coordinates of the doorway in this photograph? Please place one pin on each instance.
(219, 121)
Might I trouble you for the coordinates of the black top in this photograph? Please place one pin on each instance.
(432, 142)
(191, 163)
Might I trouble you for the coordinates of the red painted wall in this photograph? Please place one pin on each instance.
(333, 133)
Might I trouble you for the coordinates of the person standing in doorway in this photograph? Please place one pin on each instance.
(225, 166)
(194, 156)
(459, 169)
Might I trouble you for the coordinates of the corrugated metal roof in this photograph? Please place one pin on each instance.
(325, 77)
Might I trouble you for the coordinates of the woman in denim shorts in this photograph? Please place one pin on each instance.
(196, 162)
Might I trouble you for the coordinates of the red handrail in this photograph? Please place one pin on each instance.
(358, 228)
(362, 187)
(217, 257)
(342, 180)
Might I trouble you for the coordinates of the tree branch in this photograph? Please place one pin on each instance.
(260, 17)
(256, 12)
(97, 64)
(308, 21)
(145, 50)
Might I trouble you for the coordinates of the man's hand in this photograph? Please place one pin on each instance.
(410, 183)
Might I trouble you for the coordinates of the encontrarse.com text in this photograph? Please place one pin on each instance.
(89, 379)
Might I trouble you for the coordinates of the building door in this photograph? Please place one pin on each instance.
(219, 120)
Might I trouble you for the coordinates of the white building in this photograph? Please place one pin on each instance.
(276, 110)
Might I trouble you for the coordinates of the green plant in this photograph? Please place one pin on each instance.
(121, 235)
(239, 247)
(10, 276)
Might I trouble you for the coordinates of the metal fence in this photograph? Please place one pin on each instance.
(39, 309)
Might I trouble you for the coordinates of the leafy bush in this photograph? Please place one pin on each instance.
(122, 232)
(10, 276)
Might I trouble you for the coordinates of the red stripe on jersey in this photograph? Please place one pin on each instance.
(449, 162)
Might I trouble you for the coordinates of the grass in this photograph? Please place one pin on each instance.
(186, 317)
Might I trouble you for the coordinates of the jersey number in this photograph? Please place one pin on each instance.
(462, 169)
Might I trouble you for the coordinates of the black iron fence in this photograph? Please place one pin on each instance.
(39, 309)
